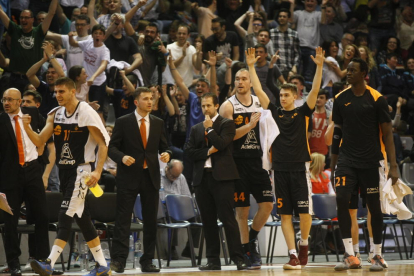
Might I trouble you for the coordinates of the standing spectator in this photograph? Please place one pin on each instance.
(37, 6)
(286, 41)
(21, 178)
(222, 41)
(372, 77)
(46, 89)
(78, 75)
(5, 5)
(96, 57)
(308, 23)
(204, 16)
(26, 42)
(320, 119)
(405, 29)
(138, 172)
(382, 21)
(183, 55)
(330, 30)
(122, 99)
(69, 5)
(74, 55)
(263, 37)
(329, 76)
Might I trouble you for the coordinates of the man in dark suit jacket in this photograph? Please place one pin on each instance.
(138, 171)
(21, 179)
(211, 148)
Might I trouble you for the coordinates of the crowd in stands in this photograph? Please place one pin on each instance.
(182, 50)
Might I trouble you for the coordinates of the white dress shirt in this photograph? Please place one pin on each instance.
(208, 161)
(30, 150)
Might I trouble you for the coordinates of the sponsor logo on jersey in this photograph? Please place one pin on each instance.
(303, 203)
(268, 193)
(238, 120)
(347, 104)
(372, 190)
(239, 109)
(251, 141)
(57, 130)
(65, 155)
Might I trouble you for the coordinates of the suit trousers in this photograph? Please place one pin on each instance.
(31, 190)
(125, 203)
(216, 199)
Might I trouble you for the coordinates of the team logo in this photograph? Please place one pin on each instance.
(57, 130)
(347, 104)
(27, 42)
(66, 154)
(238, 120)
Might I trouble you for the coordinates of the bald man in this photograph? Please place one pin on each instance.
(21, 177)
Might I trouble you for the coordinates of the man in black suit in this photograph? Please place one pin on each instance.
(21, 177)
(138, 172)
(211, 148)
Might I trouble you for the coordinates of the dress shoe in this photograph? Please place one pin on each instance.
(57, 272)
(117, 266)
(149, 267)
(16, 272)
(241, 265)
(210, 266)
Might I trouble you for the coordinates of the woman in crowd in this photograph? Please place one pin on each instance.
(329, 76)
(78, 75)
(320, 179)
(350, 52)
(392, 46)
(372, 78)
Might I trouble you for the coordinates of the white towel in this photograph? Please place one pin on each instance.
(89, 117)
(268, 133)
(392, 199)
(121, 65)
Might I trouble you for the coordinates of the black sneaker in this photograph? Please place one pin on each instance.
(254, 256)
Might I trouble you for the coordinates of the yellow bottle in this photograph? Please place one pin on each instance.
(96, 190)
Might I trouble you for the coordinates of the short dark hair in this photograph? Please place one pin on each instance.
(66, 82)
(211, 95)
(203, 79)
(264, 30)
(391, 55)
(139, 91)
(219, 20)
(74, 72)
(260, 45)
(98, 27)
(323, 92)
(152, 24)
(36, 95)
(31, 13)
(40, 13)
(363, 66)
(282, 10)
(83, 17)
(133, 79)
(291, 87)
(298, 77)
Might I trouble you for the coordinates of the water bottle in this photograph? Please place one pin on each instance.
(162, 194)
(130, 258)
(85, 257)
(138, 253)
(96, 190)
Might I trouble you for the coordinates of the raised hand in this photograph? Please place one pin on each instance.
(251, 58)
(212, 59)
(173, 91)
(170, 61)
(319, 57)
(275, 57)
(47, 48)
(228, 62)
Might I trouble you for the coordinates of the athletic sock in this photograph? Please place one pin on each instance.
(293, 251)
(303, 242)
(377, 249)
(356, 248)
(253, 234)
(98, 255)
(245, 248)
(348, 246)
(54, 254)
(371, 244)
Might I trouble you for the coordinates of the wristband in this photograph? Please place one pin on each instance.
(336, 140)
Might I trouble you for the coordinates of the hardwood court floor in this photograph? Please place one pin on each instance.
(397, 268)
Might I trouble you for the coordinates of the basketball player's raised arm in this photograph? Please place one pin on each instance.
(257, 86)
(313, 94)
(38, 139)
(102, 153)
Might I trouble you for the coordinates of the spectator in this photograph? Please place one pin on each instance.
(204, 16)
(299, 82)
(359, 22)
(263, 37)
(351, 51)
(96, 57)
(347, 39)
(329, 76)
(286, 41)
(36, 6)
(46, 89)
(40, 17)
(61, 61)
(74, 55)
(405, 29)
(31, 98)
(320, 118)
(320, 179)
(78, 75)
(198, 44)
(222, 41)
(409, 81)
(392, 46)
(331, 30)
(26, 42)
(184, 55)
(361, 39)
(161, 104)
(308, 26)
(251, 36)
(178, 128)
(122, 99)
(372, 78)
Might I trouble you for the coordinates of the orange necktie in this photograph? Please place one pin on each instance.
(205, 137)
(19, 139)
(143, 131)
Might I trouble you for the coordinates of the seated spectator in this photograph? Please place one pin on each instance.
(320, 179)
(122, 99)
(329, 75)
(392, 45)
(204, 16)
(372, 78)
(361, 39)
(405, 29)
(78, 75)
(351, 51)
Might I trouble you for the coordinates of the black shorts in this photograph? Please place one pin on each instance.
(74, 192)
(293, 192)
(98, 93)
(253, 180)
(367, 180)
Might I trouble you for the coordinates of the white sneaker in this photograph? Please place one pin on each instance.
(384, 264)
(370, 256)
(27, 267)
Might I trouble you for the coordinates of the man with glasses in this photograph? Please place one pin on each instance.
(26, 42)
(347, 39)
(74, 55)
(21, 178)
